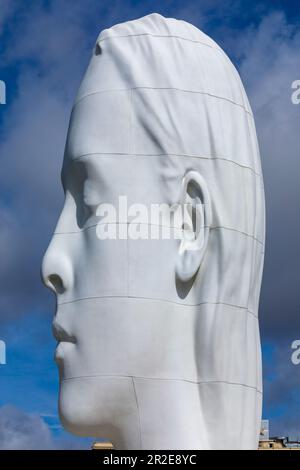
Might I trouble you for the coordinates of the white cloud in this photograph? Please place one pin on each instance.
(19, 430)
(26, 431)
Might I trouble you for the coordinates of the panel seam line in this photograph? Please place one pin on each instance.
(158, 300)
(169, 154)
(138, 411)
(183, 90)
(195, 382)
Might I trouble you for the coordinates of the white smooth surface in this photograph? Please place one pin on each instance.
(159, 346)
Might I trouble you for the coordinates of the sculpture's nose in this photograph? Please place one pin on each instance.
(56, 269)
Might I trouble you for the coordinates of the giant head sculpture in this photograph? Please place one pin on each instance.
(158, 335)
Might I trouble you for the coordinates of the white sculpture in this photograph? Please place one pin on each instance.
(159, 344)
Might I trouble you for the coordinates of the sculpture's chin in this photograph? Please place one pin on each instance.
(98, 406)
(76, 409)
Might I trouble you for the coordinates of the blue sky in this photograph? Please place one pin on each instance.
(45, 48)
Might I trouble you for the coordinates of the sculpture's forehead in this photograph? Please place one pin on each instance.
(157, 121)
(99, 124)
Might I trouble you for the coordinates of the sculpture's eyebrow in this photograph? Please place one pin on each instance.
(69, 167)
(63, 178)
(73, 167)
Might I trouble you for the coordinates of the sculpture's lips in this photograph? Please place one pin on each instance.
(61, 335)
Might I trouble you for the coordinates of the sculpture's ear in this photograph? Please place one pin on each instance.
(196, 210)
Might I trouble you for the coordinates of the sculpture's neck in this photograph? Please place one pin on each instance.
(168, 414)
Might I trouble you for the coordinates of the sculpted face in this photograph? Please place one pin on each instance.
(156, 321)
(119, 310)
